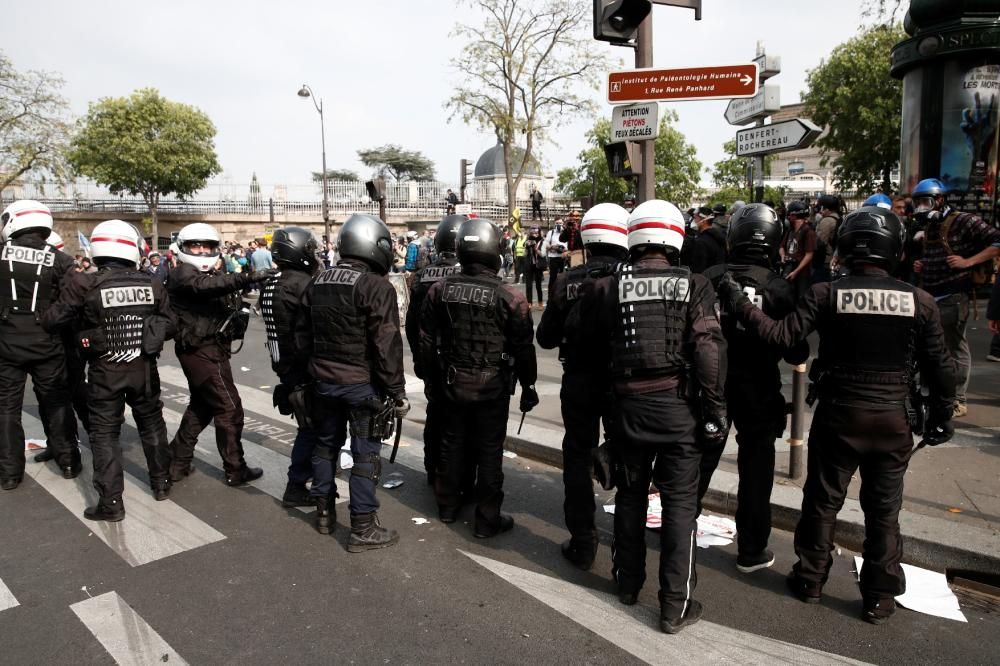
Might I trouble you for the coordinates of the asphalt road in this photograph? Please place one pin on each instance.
(220, 575)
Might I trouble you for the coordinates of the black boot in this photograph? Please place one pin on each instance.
(581, 555)
(72, 471)
(111, 512)
(11, 483)
(326, 514)
(243, 476)
(161, 490)
(368, 534)
(44, 456)
(180, 471)
(296, 494)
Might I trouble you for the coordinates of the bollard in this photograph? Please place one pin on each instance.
(798, 421)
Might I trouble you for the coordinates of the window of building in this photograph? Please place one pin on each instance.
(795, 168)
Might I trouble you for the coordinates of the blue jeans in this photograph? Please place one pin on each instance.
(331, 415)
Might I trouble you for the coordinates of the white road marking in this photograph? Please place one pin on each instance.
(7, 599)
(151, 530)
(635, 629)
(124, 634)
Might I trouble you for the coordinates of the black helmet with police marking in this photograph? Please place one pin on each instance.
(366, 237)
(754, 235)
(479, 243)
(872, 235)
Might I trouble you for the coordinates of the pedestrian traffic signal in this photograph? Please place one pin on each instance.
(623, 159)
(617, 21)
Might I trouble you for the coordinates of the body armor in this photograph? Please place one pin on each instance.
(338, 327)
(653, 309)
(123, 302)
(276, 315)
(26, 275)
(576, 350)
(747, 352)
(476, 336)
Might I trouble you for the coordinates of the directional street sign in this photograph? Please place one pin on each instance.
(769, 65)
(694, 83)
(776, 138)
(636, 122)
(764, 103)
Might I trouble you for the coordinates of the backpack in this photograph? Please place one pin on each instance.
(980, 274)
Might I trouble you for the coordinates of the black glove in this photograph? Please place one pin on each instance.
(401, 407)
(263, 275)
(714, 430)
(730, 293)
(938, 429)
(529, 398)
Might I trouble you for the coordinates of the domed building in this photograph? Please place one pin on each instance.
(489, 183)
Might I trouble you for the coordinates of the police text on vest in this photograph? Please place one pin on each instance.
(120, 297)
(875, 302)
(28, 255)
(633, 290)
(338, 276)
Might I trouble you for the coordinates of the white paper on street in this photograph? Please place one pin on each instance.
(926, 592)
(712, 530)
(34, 444)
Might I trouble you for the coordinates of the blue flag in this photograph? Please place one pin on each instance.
(84, 242)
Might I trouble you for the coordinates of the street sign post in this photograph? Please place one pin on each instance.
(769, 65)
(764, 103)
(636, 122)
(776, 137)
(679, 85)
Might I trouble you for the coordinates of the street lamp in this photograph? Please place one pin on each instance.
(306, 91)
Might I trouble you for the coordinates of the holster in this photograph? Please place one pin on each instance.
(817, 374)
(605, 464)
(373, 419)
(300, 404)
(154, 334)
(916, 409)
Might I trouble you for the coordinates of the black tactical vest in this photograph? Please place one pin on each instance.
(427, 276)
(338, 326)
(576, 349)
(653, 309)
(871, 337)
(275, 312)
(475, 338)
(26, 275)
(745, 350)
(123, 301)
(268, 305)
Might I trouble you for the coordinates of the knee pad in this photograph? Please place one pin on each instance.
(324, 452)
(373, 459)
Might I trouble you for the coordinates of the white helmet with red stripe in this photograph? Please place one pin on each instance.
(115, 239)
(203, 235)
(605, 223)
(656, 223)
(25, 215)
(56, 241)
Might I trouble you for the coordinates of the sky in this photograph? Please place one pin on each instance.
(382, 69)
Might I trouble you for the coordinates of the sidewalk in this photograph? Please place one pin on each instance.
(951, 509)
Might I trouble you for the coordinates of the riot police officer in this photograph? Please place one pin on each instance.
(475, 343)
(668, 375)
(568, 323)
(872, 328)
(32, 274)
(122, 318)
(444, 264)
(296, 252)
(753, 383)
(350, 328)
(209, 317)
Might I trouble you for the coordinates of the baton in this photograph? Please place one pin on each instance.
(521, 424)
(395, 443)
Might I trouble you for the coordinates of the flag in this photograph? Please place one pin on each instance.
(84, 242)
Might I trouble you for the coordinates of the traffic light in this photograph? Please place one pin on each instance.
(623, 159)
(466, 173)
(617, 21)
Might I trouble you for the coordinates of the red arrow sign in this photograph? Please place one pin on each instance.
(647, 85)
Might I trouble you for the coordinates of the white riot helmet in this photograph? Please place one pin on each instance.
(115, 239)
(25, 215)
(656, 223)
(605, 223)
(203, 233)
(56, 241)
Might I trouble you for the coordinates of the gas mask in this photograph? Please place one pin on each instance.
(925, 210)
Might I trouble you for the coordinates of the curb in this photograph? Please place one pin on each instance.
(928, 542)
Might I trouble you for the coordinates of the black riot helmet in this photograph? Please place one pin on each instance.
(446, 236)
(872, 235)
(295, 247)
(754, 235)
(479, 243)
(366, 237)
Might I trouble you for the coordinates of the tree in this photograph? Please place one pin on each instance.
(853, 95)
(336, 174)
(524, 72)
(399, 163)
(146, 145)
(732, 171)
(677, 168)
(34, 130)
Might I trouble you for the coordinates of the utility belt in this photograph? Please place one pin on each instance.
(450, 370)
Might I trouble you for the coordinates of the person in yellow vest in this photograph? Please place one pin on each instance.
(518, 242)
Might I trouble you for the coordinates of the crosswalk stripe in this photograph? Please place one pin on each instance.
(7, 599)
(124, 634)
(275, 465)
(151, 530)
(635, 629)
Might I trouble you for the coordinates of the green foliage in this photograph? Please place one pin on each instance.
(336, 174)
(852, 94)
(730, 194)
(398, 163)
(524, 72)
(34, 131)
(677, 167)
(145, 145)
(732, 171)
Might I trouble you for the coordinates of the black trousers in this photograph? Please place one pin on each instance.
(76, 380)
(672, 464)
(757, 410)
(473, 430)
(48, 375)
(112, 386)
(584, 403)
(845, 439)
(432, 435)
(533, 276)
(556, 266)
(213, 397)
